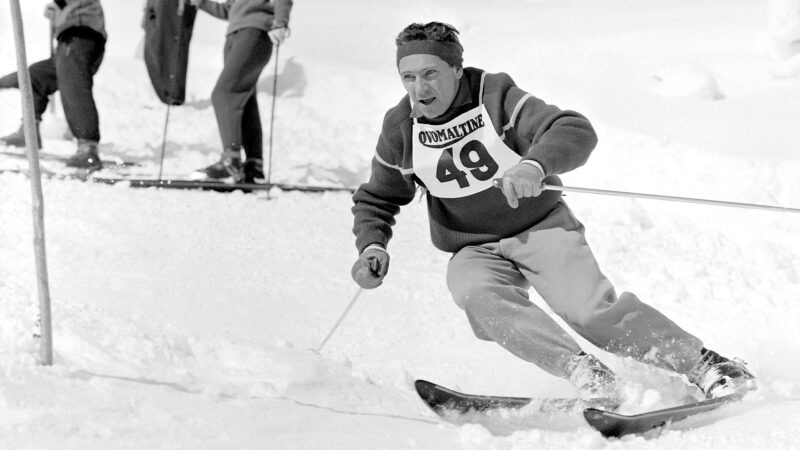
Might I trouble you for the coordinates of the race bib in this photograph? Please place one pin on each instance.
(461, 157)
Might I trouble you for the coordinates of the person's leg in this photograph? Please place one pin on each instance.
(9, 81)
(494, 295)
(252, 136)
(77, 60)
(557, 261)
(234, 98)
(252, 141)
(43, 84)
(246, 53)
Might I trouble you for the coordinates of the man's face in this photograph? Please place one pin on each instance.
(431, 83)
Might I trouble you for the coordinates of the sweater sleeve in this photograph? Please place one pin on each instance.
(216, 9)
(282, 10)
(378, 201)
(561, 140)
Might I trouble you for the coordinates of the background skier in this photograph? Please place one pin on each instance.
(254, 26)
(79, 28)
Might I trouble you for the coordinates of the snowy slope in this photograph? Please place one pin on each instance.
(189, 319)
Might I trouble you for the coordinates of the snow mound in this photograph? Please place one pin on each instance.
(687, 82)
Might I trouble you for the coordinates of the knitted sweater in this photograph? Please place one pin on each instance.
(558, 140)
(262, 14)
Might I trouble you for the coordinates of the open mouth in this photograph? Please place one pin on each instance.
(427, 101)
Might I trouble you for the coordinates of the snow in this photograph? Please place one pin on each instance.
(190, 319)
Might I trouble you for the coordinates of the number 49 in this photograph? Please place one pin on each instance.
(473, 156)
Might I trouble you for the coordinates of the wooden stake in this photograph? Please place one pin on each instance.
(37, 199)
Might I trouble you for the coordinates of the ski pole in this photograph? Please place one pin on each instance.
(341, 318)
(52, 57)
(704, 201)
(272, 116)
(498, 183)
(163, 143)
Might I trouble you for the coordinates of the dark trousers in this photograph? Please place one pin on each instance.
(71, 70)
(246, 53)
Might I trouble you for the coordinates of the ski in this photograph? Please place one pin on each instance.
(111, 166)
(204, 185)
(446, 402)
(612, 424)
(599, 413)
(45, 156)
(98, 176)
(222, 186)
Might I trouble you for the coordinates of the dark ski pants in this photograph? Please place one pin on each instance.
(491, 282)
(43, 82)
(71, 71)
(246, 53)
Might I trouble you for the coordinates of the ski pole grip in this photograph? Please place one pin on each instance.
(498, 183)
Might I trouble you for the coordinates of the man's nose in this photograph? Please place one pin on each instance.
(420, 87)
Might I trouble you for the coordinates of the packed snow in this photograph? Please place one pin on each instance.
(187, 319)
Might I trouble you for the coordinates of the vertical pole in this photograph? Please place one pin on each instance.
(37, 199)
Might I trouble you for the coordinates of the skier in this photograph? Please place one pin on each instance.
(455, 132)
(79, 28)
(254, 26)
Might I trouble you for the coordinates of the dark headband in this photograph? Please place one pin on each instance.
(448, 51)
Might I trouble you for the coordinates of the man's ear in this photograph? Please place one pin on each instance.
(459, 72)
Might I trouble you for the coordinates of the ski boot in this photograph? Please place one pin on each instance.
(717, 376)
(86, 157)
(591, 377)
(17, 138)
(254, 170)
(229, 167)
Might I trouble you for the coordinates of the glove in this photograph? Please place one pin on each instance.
(278, 35)
(522, 180)
(371, 267)
(50, 10)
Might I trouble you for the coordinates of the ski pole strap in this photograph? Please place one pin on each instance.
(375, 247)
(704, 201)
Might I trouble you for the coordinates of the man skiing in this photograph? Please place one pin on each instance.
(455, 132)
(253, 27)
(79, 28)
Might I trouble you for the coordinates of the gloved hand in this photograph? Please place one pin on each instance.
(50, 10)
(371, 267)
(278, 35)
(522, 180)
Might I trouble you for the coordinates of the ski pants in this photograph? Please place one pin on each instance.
(490, 282)
(71, 70)
(246, 53)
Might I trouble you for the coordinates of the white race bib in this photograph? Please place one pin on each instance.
(461, 157)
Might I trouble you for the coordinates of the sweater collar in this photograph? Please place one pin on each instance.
(463, 97)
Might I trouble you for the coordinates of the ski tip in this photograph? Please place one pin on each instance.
(426, 390)
(431, 395)
(422, 384)
(606, 422)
